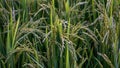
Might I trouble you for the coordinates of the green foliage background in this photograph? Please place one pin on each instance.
(59, 33)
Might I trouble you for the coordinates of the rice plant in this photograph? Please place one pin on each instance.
(59, 33)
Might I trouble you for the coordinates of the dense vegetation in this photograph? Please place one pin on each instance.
(59, 33)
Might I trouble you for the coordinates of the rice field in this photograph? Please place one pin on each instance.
(59, 33)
